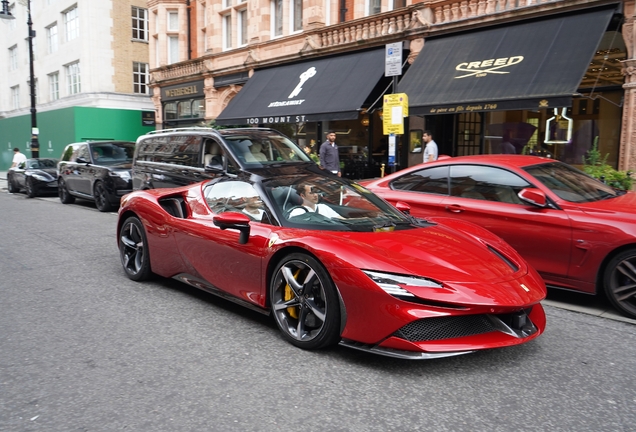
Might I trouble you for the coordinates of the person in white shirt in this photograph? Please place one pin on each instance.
(18, 158)
(310, 203)
(430, 151)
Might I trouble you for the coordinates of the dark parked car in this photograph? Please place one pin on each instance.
(97, 171)
(34, 176)
(179, 157)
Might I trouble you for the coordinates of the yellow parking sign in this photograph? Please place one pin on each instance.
(395, 107)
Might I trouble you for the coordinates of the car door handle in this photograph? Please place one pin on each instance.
(454, 208)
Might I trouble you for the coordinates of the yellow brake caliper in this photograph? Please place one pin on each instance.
(289, 294)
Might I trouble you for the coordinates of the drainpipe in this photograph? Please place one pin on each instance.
(343, 10)
(189, 31)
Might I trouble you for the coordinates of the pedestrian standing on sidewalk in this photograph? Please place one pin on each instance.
(18, 157)
(329, 158)
(430, 151)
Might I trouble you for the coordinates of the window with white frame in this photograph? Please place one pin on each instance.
(227, 3)
(227, 31)
(173, 21)
(51, 38)
(71, 23)
(277, 18)
(15, 97)
(140, 78)
(173, 49)
(139, 23)
(54, 86)
(13, 58)
(296, 15)
(374, 7)
(73, 81)
(204, 36)
(242, 27)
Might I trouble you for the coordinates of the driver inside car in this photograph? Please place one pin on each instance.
(310, 197)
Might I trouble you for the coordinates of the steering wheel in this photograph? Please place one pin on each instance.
(289, 212)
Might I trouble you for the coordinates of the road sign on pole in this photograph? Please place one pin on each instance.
(393, 59)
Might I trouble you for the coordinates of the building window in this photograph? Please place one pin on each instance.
(375, 7)
(13, 58)
(73, 82)
(140, 78)
(277, 18)
(71, 23)
(227, 3)
(173, 49)
(242, 27)
(173, 21)
(396, 4)
(54, 86)
(297, 15)
(227, 31)
(15, 97)
(51, 38)
(140, 24)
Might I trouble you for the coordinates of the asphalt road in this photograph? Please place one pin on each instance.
(83, 348)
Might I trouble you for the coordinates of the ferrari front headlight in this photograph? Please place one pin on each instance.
(396, 285)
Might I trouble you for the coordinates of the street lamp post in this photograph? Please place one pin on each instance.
(5, 13)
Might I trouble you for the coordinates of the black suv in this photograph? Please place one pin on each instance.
(98, 171)
(178, 157)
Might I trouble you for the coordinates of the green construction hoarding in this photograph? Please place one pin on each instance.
(60, 127)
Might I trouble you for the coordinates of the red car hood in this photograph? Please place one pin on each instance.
(467, 268)
(619, 208)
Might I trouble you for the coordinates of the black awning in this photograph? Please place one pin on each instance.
(527, 65)
(333, 88)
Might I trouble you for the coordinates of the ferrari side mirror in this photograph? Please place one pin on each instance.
(233, 220)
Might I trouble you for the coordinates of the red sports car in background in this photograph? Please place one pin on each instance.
(351, 270)
(579, 233)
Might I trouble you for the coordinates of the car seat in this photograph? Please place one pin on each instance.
(255, 152)
(213, 154)
(286, 197)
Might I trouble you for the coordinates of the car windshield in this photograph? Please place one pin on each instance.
(42, 163)
(112, 153)
(263, 147)
(318, 202)
(569, 183)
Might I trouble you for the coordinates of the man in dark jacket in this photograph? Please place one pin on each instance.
(329, 158)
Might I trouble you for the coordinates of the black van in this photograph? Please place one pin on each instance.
(178, 157)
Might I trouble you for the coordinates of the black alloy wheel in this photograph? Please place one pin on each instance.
(63, 193)
(620, 282)
(133, 249)
(11, 186)
(101, 197)
(31, 188)
(305, 303)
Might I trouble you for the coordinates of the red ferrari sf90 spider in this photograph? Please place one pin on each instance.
(333, 263)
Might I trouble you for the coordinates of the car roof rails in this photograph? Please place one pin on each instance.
(182, 129)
